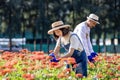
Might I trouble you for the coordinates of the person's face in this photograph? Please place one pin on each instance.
(58, 32)
(91, 23)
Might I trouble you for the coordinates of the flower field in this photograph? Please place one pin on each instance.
(36, 65)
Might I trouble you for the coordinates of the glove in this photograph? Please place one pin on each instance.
(53, 58)
(90, 58)
(93, 54)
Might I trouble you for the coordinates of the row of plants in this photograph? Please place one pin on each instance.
(36, 65)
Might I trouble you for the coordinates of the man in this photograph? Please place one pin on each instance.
(83, 31)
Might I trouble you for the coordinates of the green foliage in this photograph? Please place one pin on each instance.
(36, 16)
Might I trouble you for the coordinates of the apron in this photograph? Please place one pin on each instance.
(80, 57)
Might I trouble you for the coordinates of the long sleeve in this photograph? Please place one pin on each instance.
(84, 42)
(90, 45)
(81, 32)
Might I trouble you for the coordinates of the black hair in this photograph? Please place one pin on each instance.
(55, 36)
(65, 31)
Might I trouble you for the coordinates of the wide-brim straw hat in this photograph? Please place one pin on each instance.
(94, 18)
(57, 25)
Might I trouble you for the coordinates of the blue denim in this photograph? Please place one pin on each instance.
(81, 62)
(81, 59)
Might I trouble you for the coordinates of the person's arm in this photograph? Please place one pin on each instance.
(69, 54)
(90, 45)
(56, 51)
(57, 48)
(92, 53)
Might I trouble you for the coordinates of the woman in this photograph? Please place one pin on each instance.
(71, 43)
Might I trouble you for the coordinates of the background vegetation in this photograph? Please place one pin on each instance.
(31, 19)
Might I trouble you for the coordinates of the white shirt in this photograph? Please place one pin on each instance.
(83, 31)
(74, 42)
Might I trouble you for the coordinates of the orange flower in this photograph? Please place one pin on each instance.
(21, 55)
(98, 58)
(24, 69)
(59, 66)
(99, 75)
(79, 75)
(7, 70)
(118, 67)
(3, 72)
(62, 75)
(67, 70)
(43, 66)
(25, 63)
(38, 52)
(36, 67)
(31, 68)
(117, 75)
(108, 66)
(24, 51)
(29, 76)
(71, 60)
(91, 65)
(53, 64)
(111, 73)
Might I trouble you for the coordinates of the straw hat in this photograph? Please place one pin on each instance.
(93, 17)
(57, 25)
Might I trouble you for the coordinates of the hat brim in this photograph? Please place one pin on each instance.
(93, 20)
(51, 30)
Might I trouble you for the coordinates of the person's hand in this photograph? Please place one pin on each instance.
(94, 54)
(53, 58)
(90, 58)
